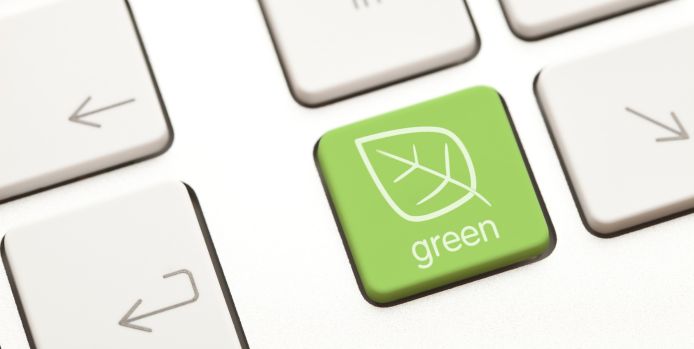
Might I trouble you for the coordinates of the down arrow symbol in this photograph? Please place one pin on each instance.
(680, 134)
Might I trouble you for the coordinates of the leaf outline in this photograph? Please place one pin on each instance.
(472, 188)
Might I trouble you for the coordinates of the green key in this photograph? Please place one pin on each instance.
(434, 195)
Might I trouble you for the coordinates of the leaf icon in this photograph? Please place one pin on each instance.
(430, 167)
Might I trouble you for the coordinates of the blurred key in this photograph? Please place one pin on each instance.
(535, 19)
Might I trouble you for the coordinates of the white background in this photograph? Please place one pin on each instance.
(246, 147)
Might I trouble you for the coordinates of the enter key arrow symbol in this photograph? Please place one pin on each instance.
(681, 133)
(128, 319)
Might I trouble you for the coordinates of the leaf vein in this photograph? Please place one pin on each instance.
(415, 165)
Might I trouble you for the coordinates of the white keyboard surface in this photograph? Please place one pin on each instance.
(246, 147)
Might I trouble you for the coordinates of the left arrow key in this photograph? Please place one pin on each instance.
(75, 110)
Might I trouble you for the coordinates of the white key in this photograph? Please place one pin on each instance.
(136, 272)
(535, 19)
(76, 97)
(622, 122)
(333, 49)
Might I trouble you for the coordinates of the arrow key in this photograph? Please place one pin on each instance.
(77, 95)
(621, 121)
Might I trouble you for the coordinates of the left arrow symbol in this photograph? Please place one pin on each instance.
(128, 319)
(79, 115)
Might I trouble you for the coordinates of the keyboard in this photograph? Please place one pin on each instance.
(346, 174)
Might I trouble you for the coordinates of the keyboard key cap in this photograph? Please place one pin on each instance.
(621, 122)
(77, 96)
(139, 271)
(433, 195)
(334, 49)
(536, 19)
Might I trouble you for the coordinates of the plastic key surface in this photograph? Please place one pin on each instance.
(535, 19)
(622, 123)
(433, 195)
(77, 95)
(136, 272)
(334, 49)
